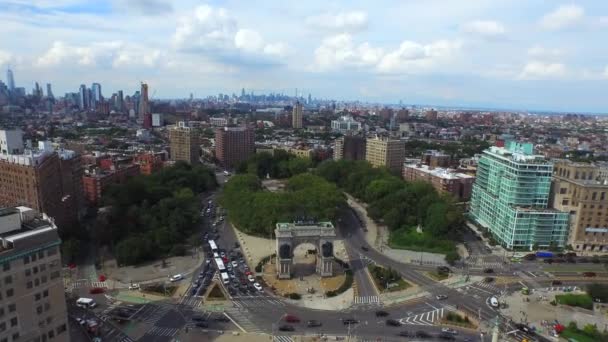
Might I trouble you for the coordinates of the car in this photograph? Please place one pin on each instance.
(548, 261)
(222, 318)
(251, 278)
(393, 323)
(422, 334)
(291, 319)
(207, 261)
(449, 331)
(381, 313)
(176, 277)
(258, 286)
(223, 254)
(313, 323)
(247, 273)
(349, 321)
(134, 287)
(443, 269)
(556, 283)
(198, 318)
(235, 264)
(364, 248)
(589, 274)
(193, 290)
(405, 333)
(286, 327)
(488, 279)
(97, 290)
(201, 325)
(441, 297)
(488, 270)
(446, 336)
(236, 244)
(522, 327)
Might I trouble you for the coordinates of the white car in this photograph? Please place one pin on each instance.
(176, 277)
(251, 278)
(449, 331)
(257, 286)
(235, 264)
(134, 287)
(440, 297)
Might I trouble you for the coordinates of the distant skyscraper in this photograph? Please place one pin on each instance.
(120, 101)
(49, 91)
(243, 93)
(10, 80)
(82, 97)
(95, 94)
(309, 98)
(37, 90)
(296, 117)
(143, 101)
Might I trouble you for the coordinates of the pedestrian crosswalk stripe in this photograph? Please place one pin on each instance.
(282, 339)
(367, 300)
(425, 318)
(161, 331)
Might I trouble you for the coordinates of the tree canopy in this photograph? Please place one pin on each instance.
(256, 211)
(150, 215)
(280, 164)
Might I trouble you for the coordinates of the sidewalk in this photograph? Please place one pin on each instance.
(151, 272)
(496, 250)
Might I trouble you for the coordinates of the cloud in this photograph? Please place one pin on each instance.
(340, 51)
(340, 22)
(215, 32)
(5, 57)
(539, 51)
(536, 70)
(488, 29)
(145, 7)
(606, 72)
(563, 17)
(110, 54)
(414, 57)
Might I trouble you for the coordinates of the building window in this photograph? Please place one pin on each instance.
(26, 259)
(28, 272)
(43, 279)
(10, 293)
(54, 275)
(15, 336)
(29, 284)
(40, 255)
(45, 293)
(51, 334)
(1, 312)
(37, 296)
(42, 267)
(61, 329)
(8, 280)
(2, 326)
(14, 322)
(6, 266)
(51, 251)
(39, 309)
(35, 269)
(563, 190)
(593, 196)
(12, 307)
(36, 282)
(33, 257)
(49, 319)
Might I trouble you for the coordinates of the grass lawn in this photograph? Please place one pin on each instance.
(159, 290)
(576, 335)
(437, 276)
(411, 240)
(581, 300)
(400, 284)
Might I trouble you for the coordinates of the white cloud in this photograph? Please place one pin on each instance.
(341, 22)
(536, 70)
(414, 57)
(565, 16)
(145, 7)
(606, 72)
(340, 51)
(484, 28)
(541, 51)
(5, 57)
(276, 49)
(248, 40)
(100, 54)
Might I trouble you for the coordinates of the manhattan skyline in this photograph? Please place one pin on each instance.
(499, 54)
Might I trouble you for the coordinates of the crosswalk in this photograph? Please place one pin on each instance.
(151, 313)
(367, 300)
(425, 318)
(70, 284)
(254, 301)
(487, 288)
(242, 318)
(282, 339)
(162, 331)
(480, 261)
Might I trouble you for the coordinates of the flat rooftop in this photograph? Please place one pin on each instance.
(439, 172)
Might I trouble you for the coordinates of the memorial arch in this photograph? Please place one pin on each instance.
(290, 235)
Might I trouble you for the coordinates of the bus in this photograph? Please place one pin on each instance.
(86, 303)
(213, 246)
(220, 264)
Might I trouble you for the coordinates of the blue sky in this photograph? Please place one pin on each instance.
(521, 54)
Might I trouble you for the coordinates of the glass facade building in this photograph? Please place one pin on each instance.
(510, 198)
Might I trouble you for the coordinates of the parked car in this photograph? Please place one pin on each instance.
(446, 336)
(251, 278)
(286, 327)
(488, 279)
(198, 318)
(381, 313)
(291, 319)
(364, 248)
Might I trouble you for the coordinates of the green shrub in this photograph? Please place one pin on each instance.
(580, 300)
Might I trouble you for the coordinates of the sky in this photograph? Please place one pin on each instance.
(518, 54)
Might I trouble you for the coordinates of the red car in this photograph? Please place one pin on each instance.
(589, 274)
(292, 319)
(96, 290)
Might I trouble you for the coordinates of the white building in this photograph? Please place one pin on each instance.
(345, 124)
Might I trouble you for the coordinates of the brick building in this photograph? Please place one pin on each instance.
(234, 145)
(460, 185)
(97, 181)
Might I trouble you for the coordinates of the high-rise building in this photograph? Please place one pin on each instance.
(33, 303)
(350, 147)
(49, 91)
(143, 102)
(434, 159)
(381, 151)
(234, 145)
(11, 142)
(82, 97)
(345, 124)
(96, 96)
(184, 142)
(296, 116)
(10, 80)
(510, 198)
(43, 179)
(431, 115)
(120, 100)
(578, 189)
(443, 180)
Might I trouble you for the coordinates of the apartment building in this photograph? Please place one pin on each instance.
(444, 180)
(511, 198)
(32, 297)
(381, 151)
(184, 143)
(580, 190)
(234, 145)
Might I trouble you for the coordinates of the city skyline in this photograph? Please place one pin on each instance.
(478, 54)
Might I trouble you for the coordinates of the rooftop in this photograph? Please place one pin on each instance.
(439, 172)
